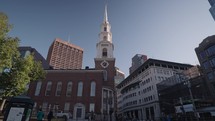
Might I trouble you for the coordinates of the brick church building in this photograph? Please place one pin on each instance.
(81, 91)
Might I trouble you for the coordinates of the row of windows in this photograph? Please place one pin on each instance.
(165, 72)
(146, 99)
(68, 89)
(208, 52)
(130, 89)
(209, 63)
(130, 103)
(129, 96)
(145, 81)
(68, 47)
(160, 78)
(147, 89)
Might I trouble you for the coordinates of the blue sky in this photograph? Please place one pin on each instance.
(167, 30)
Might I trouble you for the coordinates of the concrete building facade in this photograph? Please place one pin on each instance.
(64, 55)
(139, 97)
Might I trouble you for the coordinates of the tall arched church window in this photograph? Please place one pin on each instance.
(80, 89)
(93, 89)
(69, 89)
(59, 88)
(48, 88)
(104, 52)
(38, 88)
(105, 29)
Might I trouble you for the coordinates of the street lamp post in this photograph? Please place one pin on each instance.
(191, 96)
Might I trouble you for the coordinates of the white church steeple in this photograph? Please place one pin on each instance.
(104, 46)
(105, 15)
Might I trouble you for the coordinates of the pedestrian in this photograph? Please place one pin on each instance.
(50, 115)
(40, 115)
(168, 118)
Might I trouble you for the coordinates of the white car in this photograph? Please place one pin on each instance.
(61, 114)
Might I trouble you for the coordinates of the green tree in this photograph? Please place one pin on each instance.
(15, 72)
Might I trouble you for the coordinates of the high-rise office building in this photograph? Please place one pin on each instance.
(212, 9)
(138, 94)
(64, 55)
(25, 51)
(137, 61)
(206, 55)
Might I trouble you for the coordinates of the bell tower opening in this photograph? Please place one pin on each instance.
(104, 52)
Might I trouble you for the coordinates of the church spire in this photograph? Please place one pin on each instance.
(105, 46)
(105, 15)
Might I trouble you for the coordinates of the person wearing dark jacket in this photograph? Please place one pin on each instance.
(50, 115)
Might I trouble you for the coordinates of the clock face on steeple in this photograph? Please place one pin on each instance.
(104, 64)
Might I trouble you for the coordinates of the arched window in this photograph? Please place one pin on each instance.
(37, 91)
(48, 88)
(80, 89)
(69, 89)
(59, 88)
(105, 29)
(104, 52)
(93, 89)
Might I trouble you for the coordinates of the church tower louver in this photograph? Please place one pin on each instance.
(105, 61)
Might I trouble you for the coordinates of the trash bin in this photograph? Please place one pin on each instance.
(19, 108)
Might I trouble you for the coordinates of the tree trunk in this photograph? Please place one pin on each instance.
(2, 104)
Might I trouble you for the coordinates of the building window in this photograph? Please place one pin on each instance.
(80, 89)
(37, 91)
(48, 89)
(211, 50)
(105, 29)
(92, 107)
(104, 52)
(202, 55)
(212, 62)
(59, 88)
(210, 76)
(93, 89)
(206, 65)
(44, 106)
(66, 107)
(69, 89)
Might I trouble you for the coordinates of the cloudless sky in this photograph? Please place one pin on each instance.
(161, 29)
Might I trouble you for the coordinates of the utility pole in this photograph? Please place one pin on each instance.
(191, 96)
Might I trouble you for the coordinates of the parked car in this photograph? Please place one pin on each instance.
(61, 114)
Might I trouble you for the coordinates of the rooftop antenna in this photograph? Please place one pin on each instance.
(69, 39)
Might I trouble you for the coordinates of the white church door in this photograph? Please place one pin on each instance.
(79, 111)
